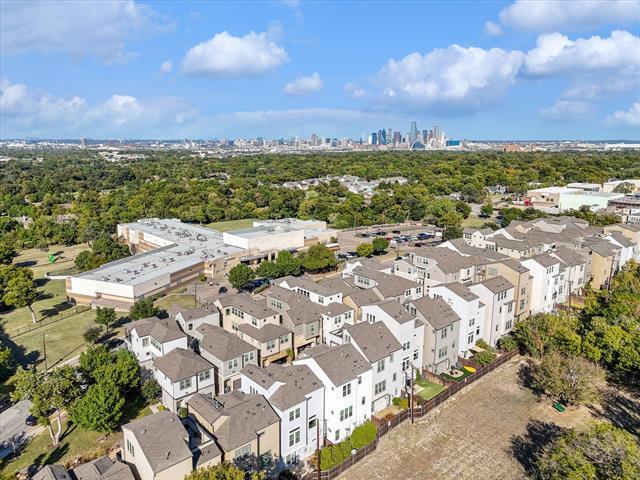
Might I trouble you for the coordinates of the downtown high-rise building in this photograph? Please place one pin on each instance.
(413, 132)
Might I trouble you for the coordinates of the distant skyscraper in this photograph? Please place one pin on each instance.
(389, 135)
(314, 139)
(374, 138)
(382, 137)
(397, 138)
(413, 132)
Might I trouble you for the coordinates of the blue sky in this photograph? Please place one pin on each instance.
(481, 70)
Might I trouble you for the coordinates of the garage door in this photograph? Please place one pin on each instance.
(381, 403)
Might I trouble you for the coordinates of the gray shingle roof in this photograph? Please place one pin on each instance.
(396, 311)
(103, 468)
(388, 285)
(307, 283)
(162, 438)
(190, 313)
(460, 290)
(220, 343)
(52, 472)
(374, 339)
(546, 260)
(362, 296)
(179, 364)
(341, 364)
(436, 312)
(265, 333)
(497, 284)
(163, 330)
(245, 415)
(298, 381)
(569, 256)
(248, 305)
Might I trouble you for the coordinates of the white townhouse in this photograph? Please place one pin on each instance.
(320, 293)
(469, 308)
(578, 267)
(227, 352)
(406, 328)
(627, 247)
(153, 337)
(182, 373)
(377, 344)
(348, 382)
(498, 296)
(549, 285)
(297, 396)
(371, 263)
(190, 319)
(334, 317)
(441, 333)
(387, 287)
(476, 237)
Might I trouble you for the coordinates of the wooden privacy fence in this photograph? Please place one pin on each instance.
(418, 412)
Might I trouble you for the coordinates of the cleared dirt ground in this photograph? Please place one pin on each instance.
(490, 430)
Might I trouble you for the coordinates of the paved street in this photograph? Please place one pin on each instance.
(468, 437)
(13, 428)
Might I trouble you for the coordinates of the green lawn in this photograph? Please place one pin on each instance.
(465, 373)
(75, 442)
(181, 300)
(63, 338)
(231, 224)
(474, 221)
(429, 389)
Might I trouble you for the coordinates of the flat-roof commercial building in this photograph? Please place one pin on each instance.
(168, 253)
(561, 199)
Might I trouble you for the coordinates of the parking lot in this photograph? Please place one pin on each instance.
(401, 237)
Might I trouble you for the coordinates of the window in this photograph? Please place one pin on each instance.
(521, 304)
(130, 448)
(442, 352)
(346, 390)
(276, 303)
(247, 357)
(395, 376)
(380, 366)
(294, 437)
(510, 308)
(347, 315)
(415, 354)
(405, 364)
(206, 375)
(508, 324)
(190, 326)
(145, 342)
(243, 451)
(254, 321)
(292, 458)
(184, 384)
(346, 413)
(359, 380)
(406, 346)
(232, 364)
(380, 387)
(284, 339)
(364, 399)
(472, 322)
(407, 293)
(312, 422)
(271, 344)
(337, 436)
(470, 338)
(156, 344)
(443, 333)
(523, 291)
(253, 390)
(370, 317)
(293, 414)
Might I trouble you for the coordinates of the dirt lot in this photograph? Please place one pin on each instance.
(489, 430)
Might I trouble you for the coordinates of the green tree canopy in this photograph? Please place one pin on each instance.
(143, 308)
(100, 409)
(240, 275)
(380, 245)
(365, 249)
(105, 316)
(318, 258)
(20, 291)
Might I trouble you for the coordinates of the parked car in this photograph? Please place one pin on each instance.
(380, 233)
(114, 343)
(419, 244)
(397, 232)
(223, 290)
(364, 235)
(352, 254)
(31, 421)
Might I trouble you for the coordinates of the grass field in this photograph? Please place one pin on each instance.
(74, 443)
(474, 221)
(63, 338)
(429, 389)
(181, 300)
(231, 224)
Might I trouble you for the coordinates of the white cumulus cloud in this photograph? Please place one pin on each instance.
(77, 27)
(227, 56)
(551, 15)
(568, 109)
(354, 90)
(556, 53)
(468, 78)
(629, 117)
(166, 66)
(304, 85)
(24, 112)
(492, 28)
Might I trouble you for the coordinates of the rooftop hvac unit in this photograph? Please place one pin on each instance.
(118, 280)
(126, 270)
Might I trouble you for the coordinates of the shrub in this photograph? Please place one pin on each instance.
(183, 412)
(161, 408)
(150, 390)
(484, 345)
(484, 358)
(508, 343)
(362, 436)
(402, 403)
(202, 277)
(92, 334)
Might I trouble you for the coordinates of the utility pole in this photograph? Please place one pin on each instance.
(318, 447)
(258, 460)
(413, 375)
(44, 351)
(195, 294)
(355, 225)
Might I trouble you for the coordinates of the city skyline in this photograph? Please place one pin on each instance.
(167, 70)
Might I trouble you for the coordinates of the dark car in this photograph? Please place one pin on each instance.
(223, 290)
(381, 233)
(364, 235)
(422, 236)
(31, 421)
(397, 232)
(114, 343)
(419, 244)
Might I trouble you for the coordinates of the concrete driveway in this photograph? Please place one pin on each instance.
(13, 429)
